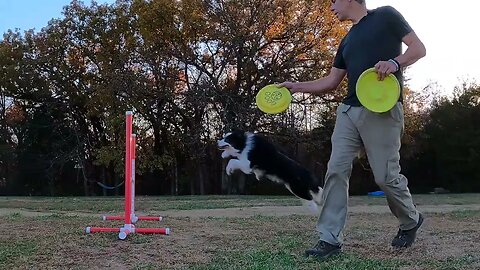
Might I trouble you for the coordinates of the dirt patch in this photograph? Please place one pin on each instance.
(235, 236)
(280, 211)
(244, 212)
(195, 241)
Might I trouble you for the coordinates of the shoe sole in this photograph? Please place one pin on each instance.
(420, 222)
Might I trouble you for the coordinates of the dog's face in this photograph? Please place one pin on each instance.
(232, 143)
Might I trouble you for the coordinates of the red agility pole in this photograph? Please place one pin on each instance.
(134, 218)
(129, 216)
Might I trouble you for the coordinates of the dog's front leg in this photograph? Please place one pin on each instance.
(225, 154)
(245, 166)
(235, 164)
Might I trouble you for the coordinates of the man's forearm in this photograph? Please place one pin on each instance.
(317, 87)
(320, 86)
(413, 53)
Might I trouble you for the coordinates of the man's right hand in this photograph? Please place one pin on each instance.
(293, 87)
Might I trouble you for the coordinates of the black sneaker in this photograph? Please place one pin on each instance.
(323, 250)
(406, 238)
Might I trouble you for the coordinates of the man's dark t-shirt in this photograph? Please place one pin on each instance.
(376, 37)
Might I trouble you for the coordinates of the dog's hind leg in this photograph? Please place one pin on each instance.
(317, 196)
(312, 206)
(259, 174)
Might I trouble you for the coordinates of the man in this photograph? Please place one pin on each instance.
(374, 40)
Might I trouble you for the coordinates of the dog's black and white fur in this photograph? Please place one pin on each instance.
(253, 154)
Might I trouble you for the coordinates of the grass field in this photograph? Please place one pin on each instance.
(232, 232)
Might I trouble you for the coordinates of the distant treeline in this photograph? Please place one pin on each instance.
(190, 70)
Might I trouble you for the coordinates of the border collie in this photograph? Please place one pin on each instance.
(252, 153)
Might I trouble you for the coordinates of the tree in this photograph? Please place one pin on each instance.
(449, 156)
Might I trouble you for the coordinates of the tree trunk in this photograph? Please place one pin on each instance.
(193, 180)
(51, 185)
(242, 179)
(85, 181)
(174, 181)
(116, 179)
(201, 178)
(104, 181)
(225, 179)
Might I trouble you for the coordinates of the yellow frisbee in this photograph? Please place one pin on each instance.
(377, 96)
(272, 99)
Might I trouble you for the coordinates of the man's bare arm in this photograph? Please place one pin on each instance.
(320, 86)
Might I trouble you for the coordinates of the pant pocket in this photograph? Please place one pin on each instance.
(396, 113)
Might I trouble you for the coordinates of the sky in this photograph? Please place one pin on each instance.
(448, 30)
(27, 14)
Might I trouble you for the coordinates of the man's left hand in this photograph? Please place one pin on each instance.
(384, 68)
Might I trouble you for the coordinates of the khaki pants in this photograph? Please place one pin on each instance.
(380, 135)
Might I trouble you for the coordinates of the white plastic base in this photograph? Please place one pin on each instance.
(122, 235)
(87, 230)
(125, 230)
